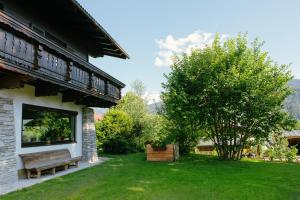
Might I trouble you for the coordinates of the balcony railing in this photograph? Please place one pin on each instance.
(38, 56)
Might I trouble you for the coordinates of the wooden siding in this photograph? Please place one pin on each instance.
(16, 49)
(171, 153)
(205, 148)
(33, 55)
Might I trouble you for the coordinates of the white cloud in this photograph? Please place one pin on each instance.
(170, 45)
(151, 97)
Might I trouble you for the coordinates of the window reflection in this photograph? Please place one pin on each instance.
(47, 126)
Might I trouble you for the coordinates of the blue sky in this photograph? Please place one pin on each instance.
(150, 30)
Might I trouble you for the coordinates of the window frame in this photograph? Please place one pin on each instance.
(45, 143)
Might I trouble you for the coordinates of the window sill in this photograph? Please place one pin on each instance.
(40, 144)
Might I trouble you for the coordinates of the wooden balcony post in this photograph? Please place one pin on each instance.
(120, 94)
(91, 81)
(69, 71)
(106, 87)
(38, 56)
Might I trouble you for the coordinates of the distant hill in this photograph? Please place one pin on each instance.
(155, 107)
(292, 103)
(295, 83)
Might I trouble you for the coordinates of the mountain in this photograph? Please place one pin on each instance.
(155, 107)
(292, 103)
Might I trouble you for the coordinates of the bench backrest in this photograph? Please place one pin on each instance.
(37, 159)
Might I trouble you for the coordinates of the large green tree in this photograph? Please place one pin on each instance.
(136, 108)
(228, 92)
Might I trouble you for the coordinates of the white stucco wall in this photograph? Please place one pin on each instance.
(26, 95)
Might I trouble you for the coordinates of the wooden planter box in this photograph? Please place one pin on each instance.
(170, 153)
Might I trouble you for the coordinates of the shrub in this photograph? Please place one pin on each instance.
(145, 124)
(186, 137)
(159, 144)
(291, 154)
(118, 145)
(129, 126)
(271, 154)
(279, 149)
(214, 152)
(114, 132)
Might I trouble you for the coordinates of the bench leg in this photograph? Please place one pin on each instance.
(53, 171)
(28, 174)
(66, 167)
(38, 173)
(76, 163)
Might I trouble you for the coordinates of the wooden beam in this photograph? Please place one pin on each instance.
(91, 101)
(84, 100)
(112, 54)
(71, 96)
(110, 50)
(45, 89)
(13, 81)
(10, 83)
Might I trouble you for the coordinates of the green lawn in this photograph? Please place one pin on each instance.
(193, 177)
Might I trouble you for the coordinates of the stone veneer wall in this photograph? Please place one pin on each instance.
(8, 165)
(89, 148)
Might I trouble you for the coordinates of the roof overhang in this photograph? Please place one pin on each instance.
(292, 134)
(70, 16)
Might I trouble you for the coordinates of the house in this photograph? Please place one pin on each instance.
(47, 84)
(293, 138)
(205, 146)
(98, 117)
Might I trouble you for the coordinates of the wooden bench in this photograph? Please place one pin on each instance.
(48, 160)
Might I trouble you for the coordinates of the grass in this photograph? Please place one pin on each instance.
(193, 177)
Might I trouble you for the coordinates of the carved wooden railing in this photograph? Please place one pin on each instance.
(16, 49)
(50, 61)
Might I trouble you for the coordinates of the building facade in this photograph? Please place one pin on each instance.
(47, 84)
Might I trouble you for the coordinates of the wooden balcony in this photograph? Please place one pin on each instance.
(52, 68)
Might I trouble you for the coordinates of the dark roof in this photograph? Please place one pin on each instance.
(294, 133)
(69, 16)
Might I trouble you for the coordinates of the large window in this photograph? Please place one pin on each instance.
(47, 126)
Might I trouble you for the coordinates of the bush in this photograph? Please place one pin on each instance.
(154, 132)
(118, 145)
(145, 125)
(159, 144)
(185, 136)
(271, 154)
(114, 132)
(291, 154)
(279, 150)
(129, 126)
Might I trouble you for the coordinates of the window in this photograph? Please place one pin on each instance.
(47, 126)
